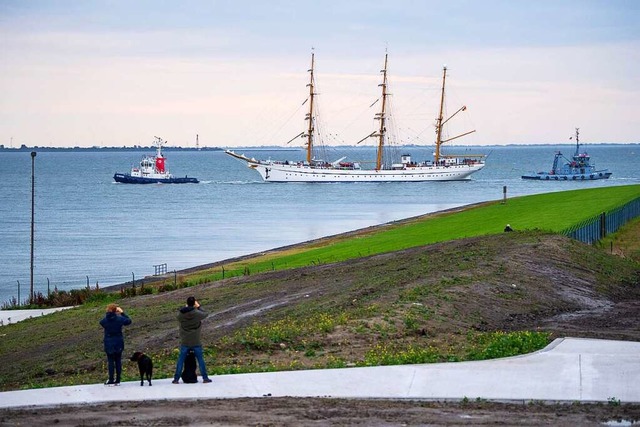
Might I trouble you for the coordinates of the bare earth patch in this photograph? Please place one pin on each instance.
(511, 282)
(321, 412)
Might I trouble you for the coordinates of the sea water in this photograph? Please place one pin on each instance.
(89, 229)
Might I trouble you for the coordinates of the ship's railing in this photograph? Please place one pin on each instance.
(597, 227)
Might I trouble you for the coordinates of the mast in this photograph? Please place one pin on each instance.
(577, 142)
(310, 113)
(439, 125)
(382, 114)
(159, 143)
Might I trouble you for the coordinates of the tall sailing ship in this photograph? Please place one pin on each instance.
(441, 168)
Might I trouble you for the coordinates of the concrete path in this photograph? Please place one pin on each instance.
(569, 369)
(8, 317)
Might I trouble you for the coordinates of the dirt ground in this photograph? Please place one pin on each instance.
(525, 283)
(323, 412)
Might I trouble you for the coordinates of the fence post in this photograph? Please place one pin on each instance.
(33, 186)
(594, 229)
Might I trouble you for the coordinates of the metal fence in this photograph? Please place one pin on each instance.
(594, 229)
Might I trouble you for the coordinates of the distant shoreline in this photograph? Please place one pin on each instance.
(24, 148)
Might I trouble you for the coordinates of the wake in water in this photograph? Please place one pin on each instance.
(240, 182)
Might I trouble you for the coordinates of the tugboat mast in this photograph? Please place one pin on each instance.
(159, 143)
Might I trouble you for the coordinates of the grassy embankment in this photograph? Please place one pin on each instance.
(552, 212)
(446, 302)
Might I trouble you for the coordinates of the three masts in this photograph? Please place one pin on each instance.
(441, 168)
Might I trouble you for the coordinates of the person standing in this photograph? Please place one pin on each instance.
(113, 321)
(190, 323)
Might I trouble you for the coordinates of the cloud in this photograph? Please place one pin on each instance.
(236, 74)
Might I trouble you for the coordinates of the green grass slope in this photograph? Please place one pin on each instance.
(410, 301)
(468, 299)
(550, 212)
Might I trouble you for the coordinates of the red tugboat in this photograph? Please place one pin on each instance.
(152, 171)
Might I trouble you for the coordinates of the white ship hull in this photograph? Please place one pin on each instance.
(280, 172)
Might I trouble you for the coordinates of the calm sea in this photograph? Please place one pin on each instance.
(90, 229)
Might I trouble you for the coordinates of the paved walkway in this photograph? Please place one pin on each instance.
(569, 369)
(13, 316)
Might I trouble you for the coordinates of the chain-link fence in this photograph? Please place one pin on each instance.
(594, 229)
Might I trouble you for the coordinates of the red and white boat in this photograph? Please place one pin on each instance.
(152, 171)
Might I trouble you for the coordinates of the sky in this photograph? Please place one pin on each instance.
(119, 72)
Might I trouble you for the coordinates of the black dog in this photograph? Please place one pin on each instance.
(189, 375)
(145, 365)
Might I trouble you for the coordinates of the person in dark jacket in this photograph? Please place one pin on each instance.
(190, 320)
(112, 323)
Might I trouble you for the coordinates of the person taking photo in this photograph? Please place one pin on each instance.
(190, 323)
(112, 323)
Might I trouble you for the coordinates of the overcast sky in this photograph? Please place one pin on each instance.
(115, 73)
